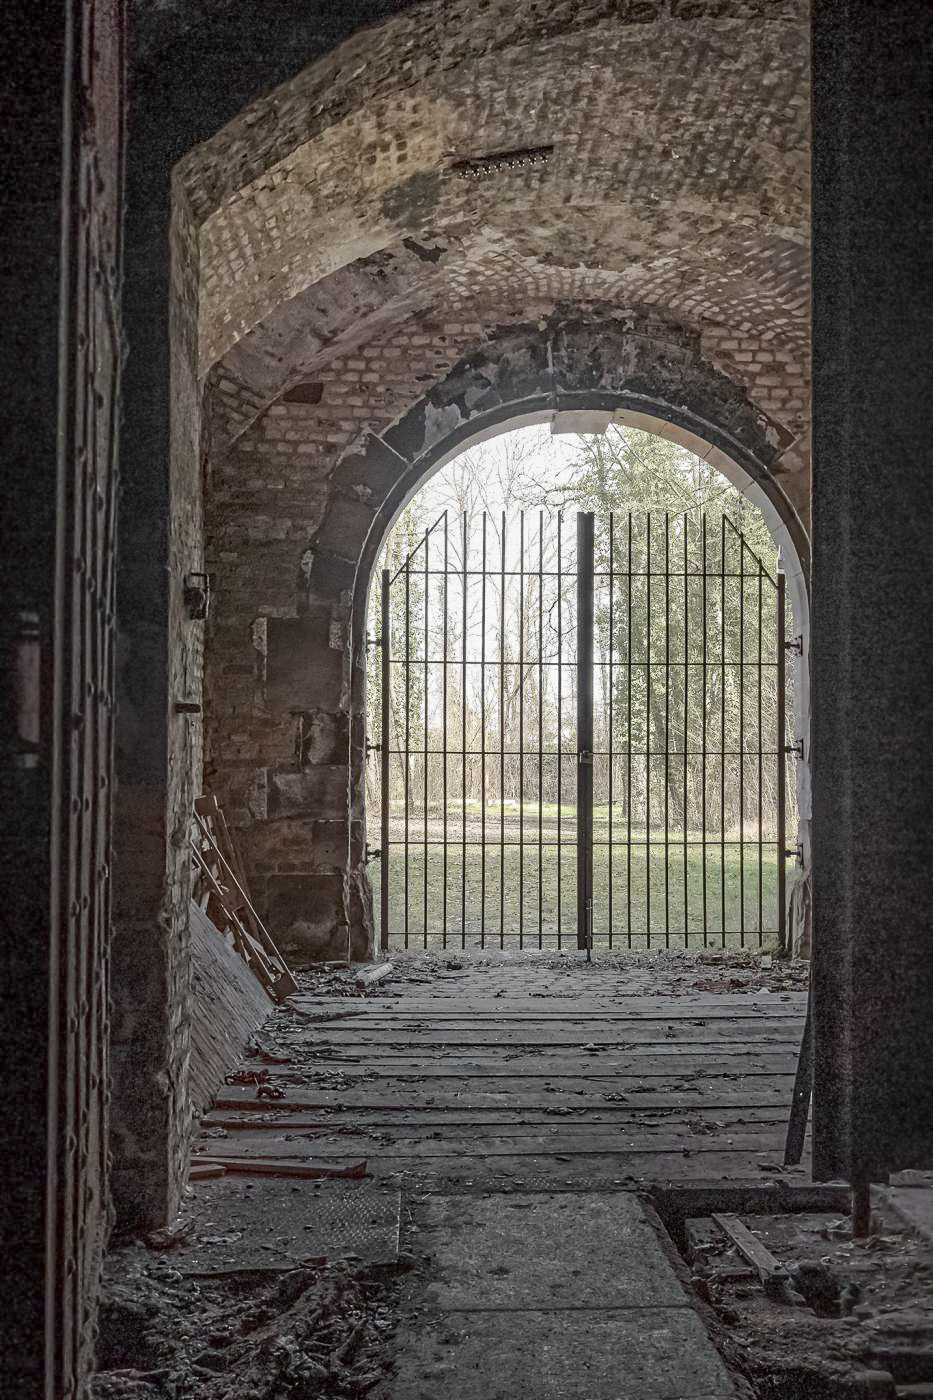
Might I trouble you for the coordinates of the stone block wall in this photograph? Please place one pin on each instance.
(305, 493)
(159, 761)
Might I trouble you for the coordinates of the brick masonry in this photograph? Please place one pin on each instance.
(298, 507)
(324, 237)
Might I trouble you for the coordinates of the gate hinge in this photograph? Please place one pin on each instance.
(373, 748)
(796, 645)
(796, 852)
(197, 595)
(371, 853)
(796, 749)
(374, 641)
(585, 757)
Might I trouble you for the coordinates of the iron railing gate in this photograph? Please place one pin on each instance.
(582, 735)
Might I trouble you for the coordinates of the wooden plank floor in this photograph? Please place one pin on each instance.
(528, 1071)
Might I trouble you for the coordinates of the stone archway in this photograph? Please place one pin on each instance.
(362, 229)
(313, 662)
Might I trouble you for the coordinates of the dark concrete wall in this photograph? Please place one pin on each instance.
(873, 586)
(61, 186)
(30, 99)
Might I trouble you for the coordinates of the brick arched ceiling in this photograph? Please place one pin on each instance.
(676, 177)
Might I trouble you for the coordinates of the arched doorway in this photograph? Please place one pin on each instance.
(474, 761)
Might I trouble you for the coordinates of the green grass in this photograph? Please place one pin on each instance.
(517, 892)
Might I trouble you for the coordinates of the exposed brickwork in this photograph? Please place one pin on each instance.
(294, 505)
(657, 260)
(151, 1113)
(680, 155)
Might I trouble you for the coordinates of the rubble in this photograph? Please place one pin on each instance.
(320, 1332)
(835, 1313)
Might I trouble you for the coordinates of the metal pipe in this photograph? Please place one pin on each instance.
(424, 804)
(628, 726)
(585, 572)
(648, 708)
(667, 728)
(502, 740)
(463, 759)
(482, 760)
(783, 940)
(407, 754)
(686, 737)
(560, 721)
(704, 738)
(385, 650)
(521, 729)
(444, 736)
(610, 745)
(541, 729)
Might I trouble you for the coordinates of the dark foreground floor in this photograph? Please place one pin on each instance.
(510, 1112)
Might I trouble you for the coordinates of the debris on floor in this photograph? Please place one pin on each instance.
(372, 976)
(808, 1311)
(320, 1332)
(261, 1290)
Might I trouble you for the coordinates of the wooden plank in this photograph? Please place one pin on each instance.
(730, 1034)
(589, 1166)
(386, 1144)
(768, 1268)
(481, 1120)
(379, 1011)
(705, 1241)
(499, 1074)
(652, 1061)
(228, 1006)
(233, 1098)
(285, 983)
(370, 976)
(283, 1166)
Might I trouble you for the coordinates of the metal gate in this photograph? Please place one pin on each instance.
(582, 735)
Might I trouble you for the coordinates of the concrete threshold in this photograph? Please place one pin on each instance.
(548, 1296)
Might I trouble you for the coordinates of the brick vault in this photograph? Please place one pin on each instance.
(464, 214)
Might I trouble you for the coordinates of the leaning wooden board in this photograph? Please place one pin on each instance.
(228, 1006)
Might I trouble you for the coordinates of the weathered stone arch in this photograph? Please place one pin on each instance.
(618, 365)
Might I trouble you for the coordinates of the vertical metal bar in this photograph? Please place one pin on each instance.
(482, 761)
(502, 741)
(463, 754)
(427, 595)
(783, 940)
(384, 755)
(742, 740)
(628, 726)
(686, 735)
(649, 690)
(541, 729)
(704, 738)
(609, 744)
(407, 755)
(585, 571)
(521, 729)
(667, 728)
(722, 726)
(446, 661)
(560, 718)
(761, 853)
